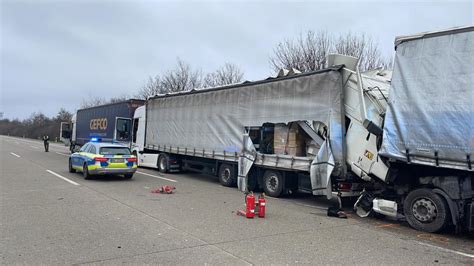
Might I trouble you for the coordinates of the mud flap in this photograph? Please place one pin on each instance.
(246, 159)
(321, 170)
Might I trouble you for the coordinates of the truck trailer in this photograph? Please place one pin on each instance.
(335, 132)
(109, 122)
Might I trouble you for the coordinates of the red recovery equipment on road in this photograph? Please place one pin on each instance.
(252, 207)
(261, 205)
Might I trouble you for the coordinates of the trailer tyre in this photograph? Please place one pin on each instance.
(273, 183)
(426, 210)
(227, 176)
(163, 163)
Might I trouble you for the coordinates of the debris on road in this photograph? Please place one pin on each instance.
(164, 190)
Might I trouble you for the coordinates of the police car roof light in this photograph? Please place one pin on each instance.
(95, 139)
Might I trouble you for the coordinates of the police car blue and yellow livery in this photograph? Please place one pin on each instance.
(100, 158)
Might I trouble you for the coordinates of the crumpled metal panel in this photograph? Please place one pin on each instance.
(430, 116)
(321, 170)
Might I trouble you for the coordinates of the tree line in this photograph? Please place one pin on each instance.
(307, 52)
(36, 126)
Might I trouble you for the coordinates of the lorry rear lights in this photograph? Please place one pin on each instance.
(344, 186)
(132, 159)
(100, 159)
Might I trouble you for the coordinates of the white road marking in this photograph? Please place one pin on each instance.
(34, 147)
(447, 250)
(14, 154)
(62, 177)
(17, 142)
(155, 176)
(60, 153)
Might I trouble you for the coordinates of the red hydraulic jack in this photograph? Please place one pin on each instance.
(252, 207)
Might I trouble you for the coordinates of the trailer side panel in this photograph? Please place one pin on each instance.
(430, 116)
(213, 120)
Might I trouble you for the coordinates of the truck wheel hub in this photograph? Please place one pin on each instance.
(272, 183)
(424, 210)
(225, 174)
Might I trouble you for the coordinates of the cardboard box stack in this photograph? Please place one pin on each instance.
(289, 140)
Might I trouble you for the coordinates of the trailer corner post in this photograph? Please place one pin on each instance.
(246, 160)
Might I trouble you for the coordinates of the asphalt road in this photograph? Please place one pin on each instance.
(49, 216)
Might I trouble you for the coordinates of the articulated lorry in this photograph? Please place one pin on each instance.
(109, 122)
(336, 132)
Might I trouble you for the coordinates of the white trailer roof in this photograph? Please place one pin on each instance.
(428, 34)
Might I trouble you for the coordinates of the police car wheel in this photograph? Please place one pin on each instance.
(71, 170)
(85, 172)
(128, 176)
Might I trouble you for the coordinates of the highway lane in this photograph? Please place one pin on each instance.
(46, 219)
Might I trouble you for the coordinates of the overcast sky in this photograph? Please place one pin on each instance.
(56, 53)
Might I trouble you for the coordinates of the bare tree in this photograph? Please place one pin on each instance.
(306, 53)
(309, 52)
(228, 74)
(97, 100)
(362, 47)
(92, 101)
(118, 99)
(36, 126)
(63, 115)
(181, 78)
(151, 88)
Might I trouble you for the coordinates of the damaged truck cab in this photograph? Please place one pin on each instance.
(426, 135)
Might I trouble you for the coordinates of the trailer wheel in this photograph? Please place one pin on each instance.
(426, 210)
(226, 175)
(163, 163)
(273, 183)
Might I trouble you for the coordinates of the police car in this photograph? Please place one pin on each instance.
(100, 158)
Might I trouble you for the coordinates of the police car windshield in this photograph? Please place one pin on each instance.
(114, 151)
